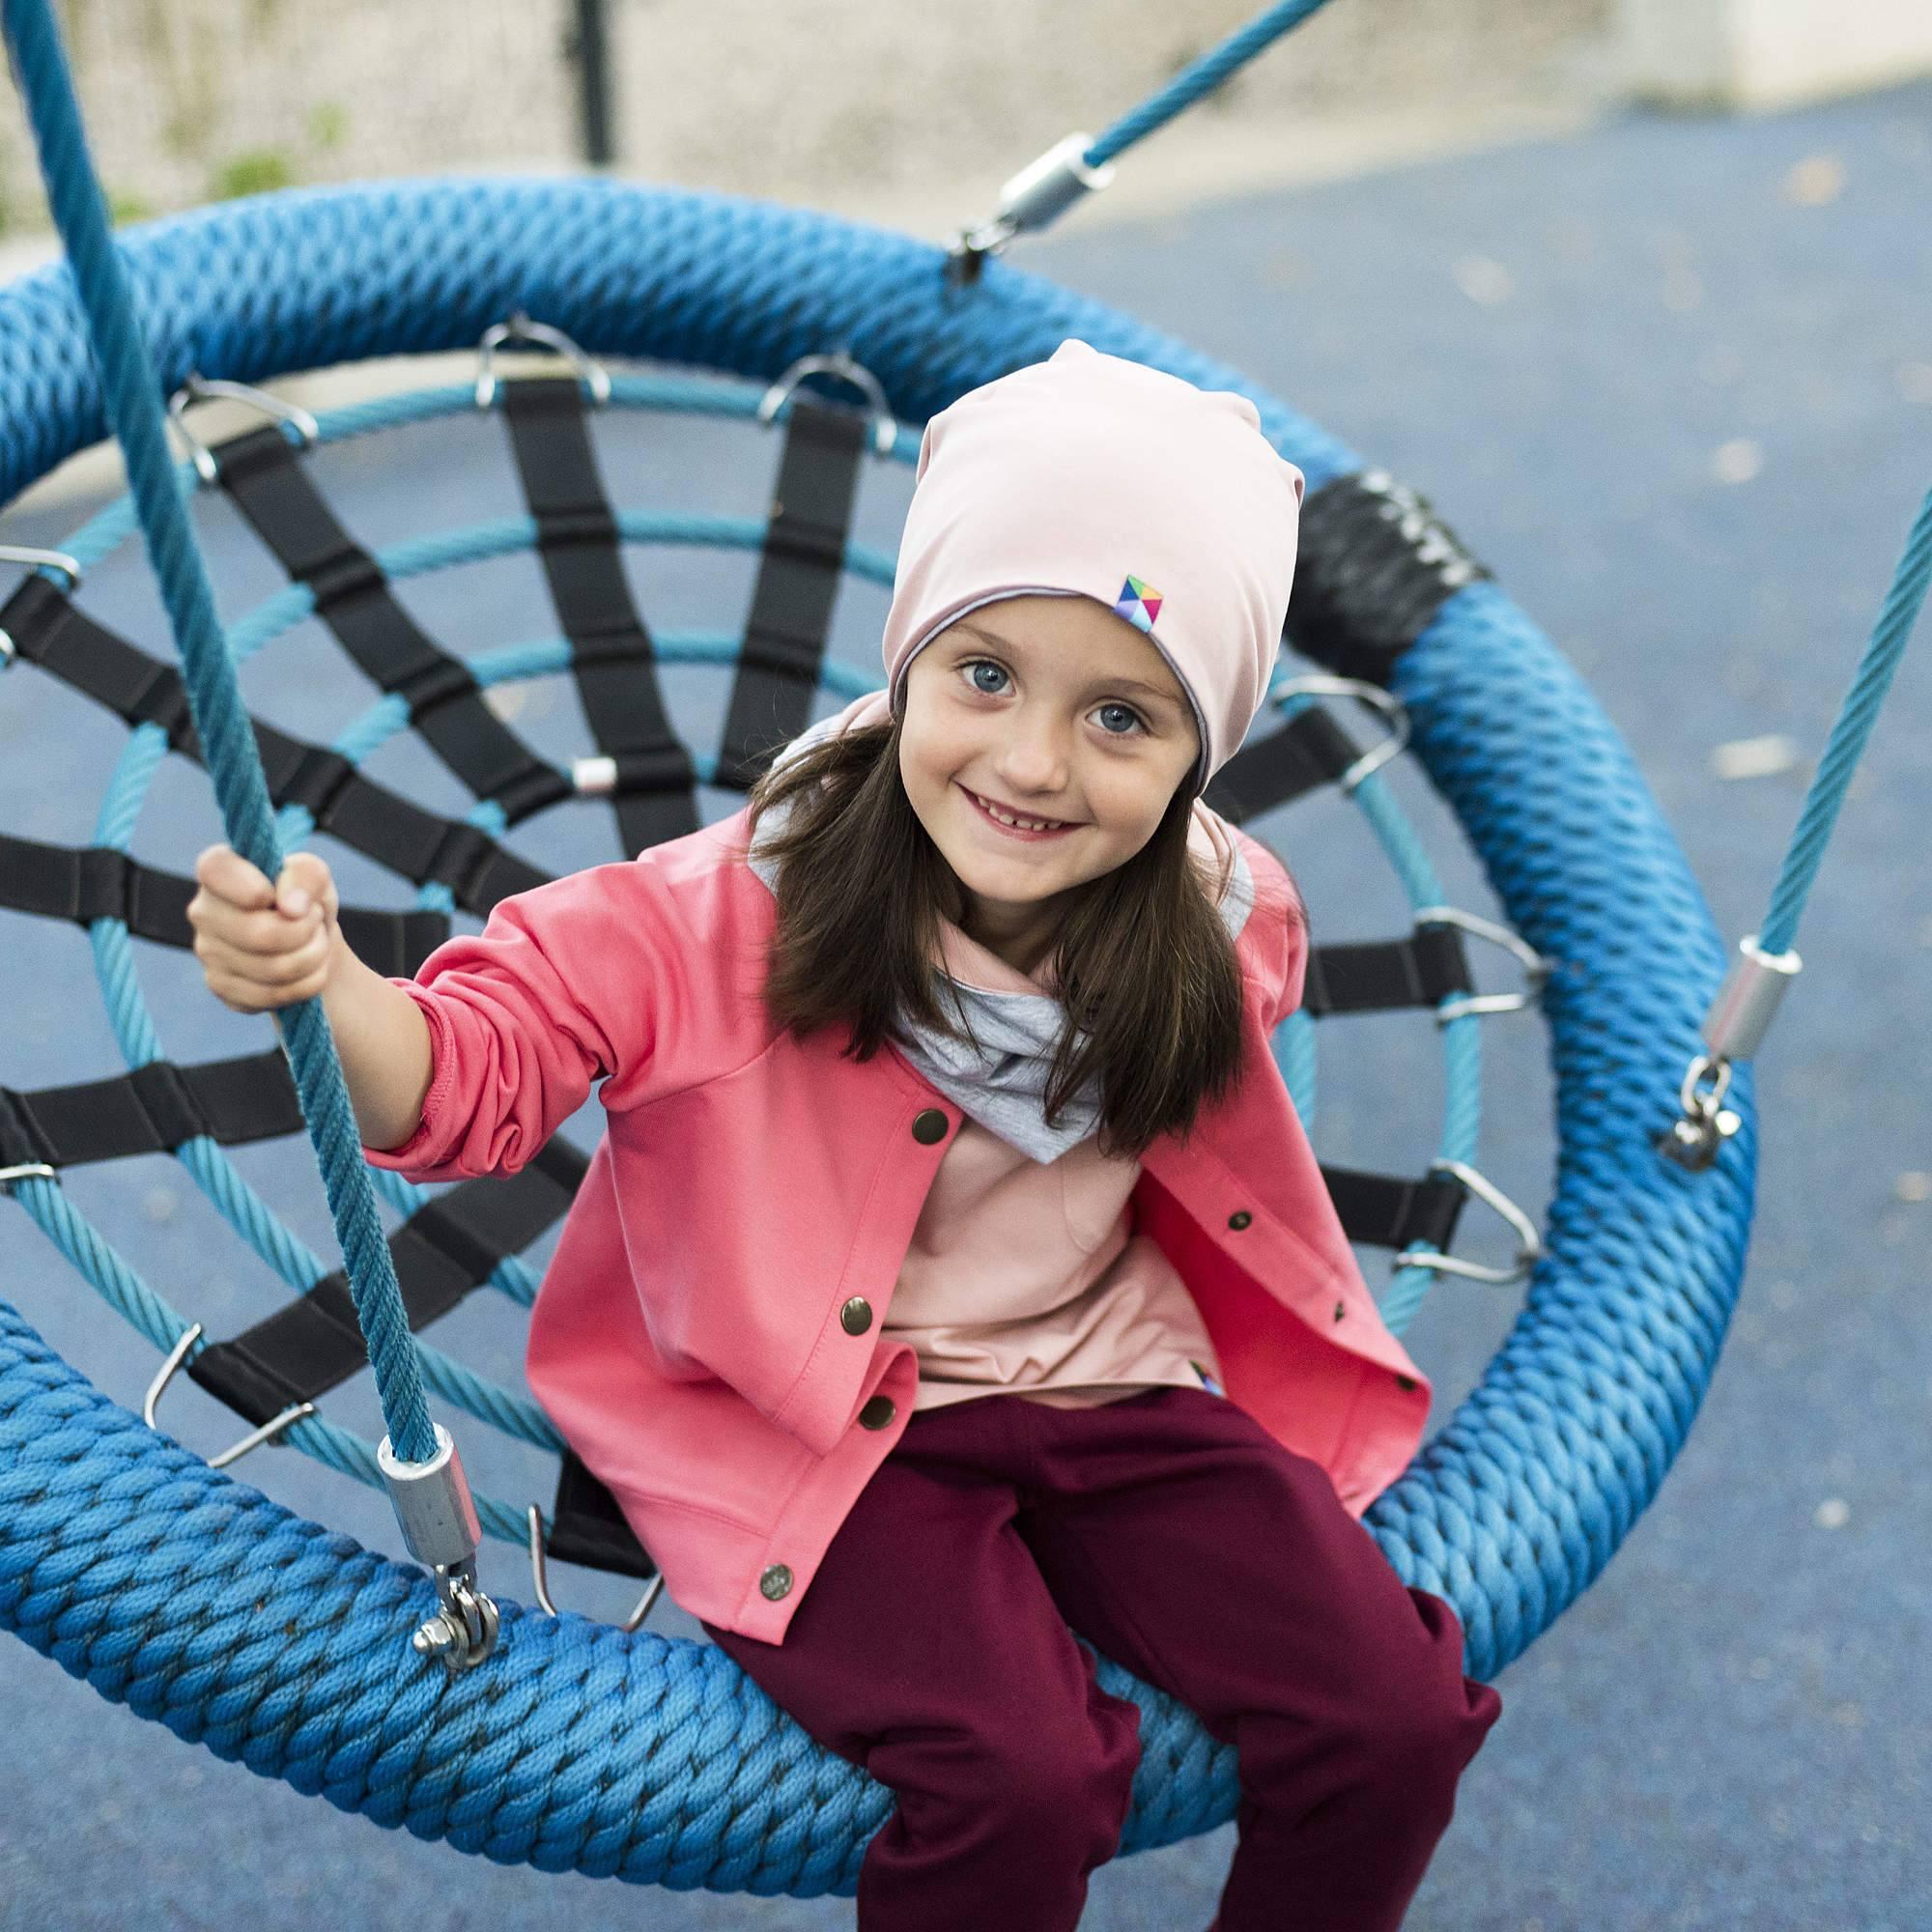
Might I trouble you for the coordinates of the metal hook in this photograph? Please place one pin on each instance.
(1321, 684)
(267, 1432)
(201, 389)
(1529, 1244)
(885, 427)
(1534, 966)
(520, 328)
(540, 1580)
(36, 559)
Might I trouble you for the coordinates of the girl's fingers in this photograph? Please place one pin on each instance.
(245, 997)
(261, 934)
(305, 882)
(255, 980)
(222, 872)
(272, 956)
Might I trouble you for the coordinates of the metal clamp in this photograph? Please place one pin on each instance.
(1536, 968)
(1734, 1029)
(1321, 684)
(439, 1520)
(203, 388)
(540, 1580)
(594, 776)
(36, 559)
(1529, 1244)
(520, 328)
(32, 1170)
(268, 1431)
(885, 427)
(1034, 198)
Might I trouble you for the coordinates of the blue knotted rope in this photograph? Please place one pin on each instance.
(654, 1759)
(214, 701)
(1855, 718)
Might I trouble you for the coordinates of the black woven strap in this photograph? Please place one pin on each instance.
(799, 573)
(447, 1247)
(271, 483)
(51, 631)
(1389, 1210)
(656, 795)
(587, 1527)
(1305, 753)
(1389, 975)
(1374, 565)
(153, 1109)
(98, 882)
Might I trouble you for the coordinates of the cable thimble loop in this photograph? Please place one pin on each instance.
(520, 328)
(269, 1431)
(36, 559)
(205, 388)
(1324, 684)
(540, 1580)
(1536, 968)
(438, 1519)
(848, 369)
(1528, 1242)
(1734, 1029)
(1034, 199)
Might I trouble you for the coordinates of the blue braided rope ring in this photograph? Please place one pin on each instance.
(197, 1601)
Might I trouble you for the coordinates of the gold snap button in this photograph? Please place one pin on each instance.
(776, 1583)
(877, 1414)
(856, 1317)
(1239, 1220)
(930, 1128)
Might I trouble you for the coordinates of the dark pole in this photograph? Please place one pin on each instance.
(591, 44)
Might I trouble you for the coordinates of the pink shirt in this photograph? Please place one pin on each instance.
(1027, 1276)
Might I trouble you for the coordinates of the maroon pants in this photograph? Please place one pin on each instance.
(1175, 1534)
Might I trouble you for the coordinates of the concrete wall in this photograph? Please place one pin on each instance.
(189, 100)
(1768, 53)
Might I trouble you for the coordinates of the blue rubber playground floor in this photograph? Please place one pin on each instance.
(1671, 379)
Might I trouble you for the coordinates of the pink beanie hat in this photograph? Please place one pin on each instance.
(1089, 475)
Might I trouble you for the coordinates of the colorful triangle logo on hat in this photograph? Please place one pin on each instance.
(1139, 603)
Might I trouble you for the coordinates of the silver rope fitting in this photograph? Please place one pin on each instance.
(1034, 198)
(439, 1520)
(1734, 1029)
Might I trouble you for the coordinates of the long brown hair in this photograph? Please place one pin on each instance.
(1146, 968)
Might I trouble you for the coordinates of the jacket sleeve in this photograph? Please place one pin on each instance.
(566, 984)
(1294, 960)
(1283, 953)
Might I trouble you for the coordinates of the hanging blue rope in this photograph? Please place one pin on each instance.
(215, 700)
(1855, 718)
(1201, 77)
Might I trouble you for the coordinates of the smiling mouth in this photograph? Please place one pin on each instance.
(1016, 821)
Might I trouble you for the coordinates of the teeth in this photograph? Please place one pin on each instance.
(1024, 824)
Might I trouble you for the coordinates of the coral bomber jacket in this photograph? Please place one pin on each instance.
(707, 1337)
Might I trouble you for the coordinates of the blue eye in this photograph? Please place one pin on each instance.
(975, 666)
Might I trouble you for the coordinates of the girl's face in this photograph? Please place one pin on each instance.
(1039, 709)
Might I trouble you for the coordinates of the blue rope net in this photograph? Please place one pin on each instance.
(201, 1602)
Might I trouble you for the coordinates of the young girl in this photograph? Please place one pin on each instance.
(954, 1267)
